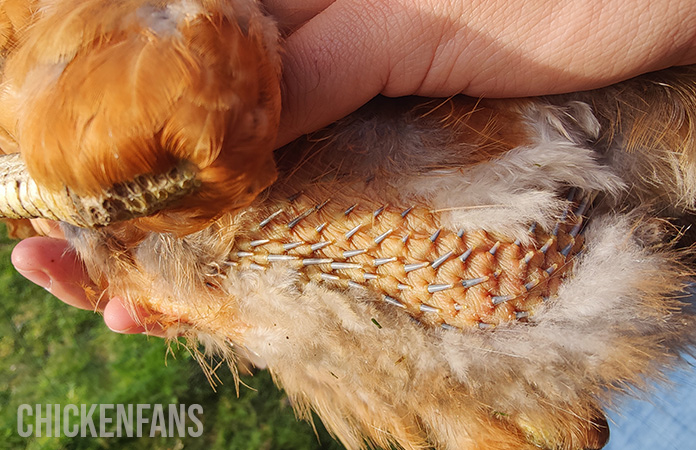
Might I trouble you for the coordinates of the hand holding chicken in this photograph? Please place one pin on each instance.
(461, 273)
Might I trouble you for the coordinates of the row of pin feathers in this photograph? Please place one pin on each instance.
(475, 280)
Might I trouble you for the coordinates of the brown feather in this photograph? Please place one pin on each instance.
(93, 102)
(649, 131)
(139, 90)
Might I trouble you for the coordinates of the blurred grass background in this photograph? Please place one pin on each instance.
(51, 353)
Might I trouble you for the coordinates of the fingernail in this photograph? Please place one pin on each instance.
(129, 330)
(38, 277)
(133, 329)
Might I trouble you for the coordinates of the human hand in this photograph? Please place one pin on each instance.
(339, 54)
(51, 263)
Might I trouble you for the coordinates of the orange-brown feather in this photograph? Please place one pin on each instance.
(14, 15)
(100, 92)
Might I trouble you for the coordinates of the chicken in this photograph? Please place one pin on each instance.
(146, 86)
(457, 273)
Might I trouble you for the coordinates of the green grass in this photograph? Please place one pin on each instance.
(54, 354)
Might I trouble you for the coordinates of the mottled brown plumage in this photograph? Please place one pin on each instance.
(452, 273)
(165, 81)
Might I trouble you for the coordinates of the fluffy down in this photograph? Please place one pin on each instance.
(368, 369)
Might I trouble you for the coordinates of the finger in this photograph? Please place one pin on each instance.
(47, 227)
(318, 88)
(119, 319)
(290, 14)
(354, 50)
(51, 264)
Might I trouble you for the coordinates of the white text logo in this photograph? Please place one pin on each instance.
(109, 420)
